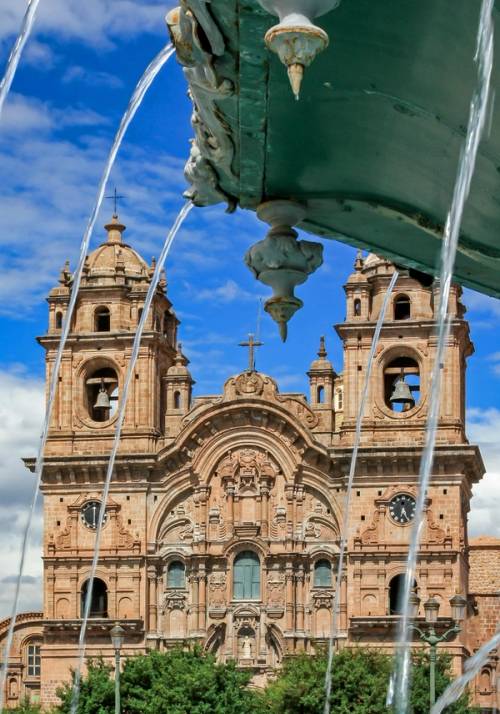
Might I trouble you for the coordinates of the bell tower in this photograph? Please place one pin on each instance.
(399, 386)
(385, 484)
(110, 302)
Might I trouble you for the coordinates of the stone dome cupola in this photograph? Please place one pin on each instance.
(322, 364)
(114, 261)
(321, 381)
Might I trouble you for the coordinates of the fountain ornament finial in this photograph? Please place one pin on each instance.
(296, 40)
(281, 261)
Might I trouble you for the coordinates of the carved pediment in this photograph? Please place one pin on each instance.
(179, 530)
(255, 384)
(247, 469)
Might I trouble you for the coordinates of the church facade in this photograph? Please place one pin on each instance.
(226, 512)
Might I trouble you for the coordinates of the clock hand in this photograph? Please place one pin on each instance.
(403, 512)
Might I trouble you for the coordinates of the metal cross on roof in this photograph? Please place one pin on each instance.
(251, 344)
(115, 198)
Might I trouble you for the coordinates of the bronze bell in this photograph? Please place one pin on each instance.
(401, 393)
(102, 401)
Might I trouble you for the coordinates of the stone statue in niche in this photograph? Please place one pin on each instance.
(246, 644)
(247, 647)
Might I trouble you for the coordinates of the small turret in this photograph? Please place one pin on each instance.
(321, 380)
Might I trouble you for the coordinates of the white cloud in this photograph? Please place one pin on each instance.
(228, 292)
(21, 414)
(484, 430)
(77, 73)
(477, 303)
(495, 359)
(48, 189)
(97, 23)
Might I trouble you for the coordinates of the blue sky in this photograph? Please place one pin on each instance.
(73, 84)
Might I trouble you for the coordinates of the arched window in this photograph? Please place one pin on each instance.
(177, 400)
(322, 574)
(320, 394)
(402, 384)
(99, 599)
(246, 576)
(102, 320)
(33, 659)
(357, 307)
(396, 593)
(176, 575)
(102, 394)
(402, 307)
(59, 319)
(139, 314)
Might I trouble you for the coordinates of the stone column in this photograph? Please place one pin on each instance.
(343, 603)
(262, 636)
(195, 600)
(299, 599)
(264, 528)
(289, 596)
(202, 609)
(152, 599)
(230, 507)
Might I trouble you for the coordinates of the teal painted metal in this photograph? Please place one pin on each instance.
(323, 574)
(176, 575)
(246, 576)
(372, 147)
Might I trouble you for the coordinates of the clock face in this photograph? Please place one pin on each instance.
(90, 514)
(402, 508)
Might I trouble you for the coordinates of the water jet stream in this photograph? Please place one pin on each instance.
(16, 52)
(352, 470)
(135, 101)
(471, 668)
(122, 403)
(400, 682)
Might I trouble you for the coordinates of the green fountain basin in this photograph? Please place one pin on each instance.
(372, 147)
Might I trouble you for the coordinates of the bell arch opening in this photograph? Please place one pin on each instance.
(402, 307)
(396, 594)
(102, 319)
(98, 601)
(101, 394)
(402, 384)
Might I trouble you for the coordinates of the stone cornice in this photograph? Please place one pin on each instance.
(90, 469)
(450, 460)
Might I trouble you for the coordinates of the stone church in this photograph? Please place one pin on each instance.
(226, 511)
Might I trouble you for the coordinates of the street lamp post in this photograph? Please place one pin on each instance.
(117, 635)
(431, 608)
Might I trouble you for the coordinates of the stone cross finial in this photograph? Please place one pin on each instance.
(322, 349)
(251, 344)
(115, 198)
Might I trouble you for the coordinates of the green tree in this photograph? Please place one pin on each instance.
(175, 682)
(97, 691)
(26, 707)
(359, 684)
